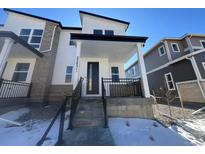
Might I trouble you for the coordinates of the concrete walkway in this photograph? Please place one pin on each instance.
(88, 137)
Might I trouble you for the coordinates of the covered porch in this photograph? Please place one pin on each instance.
(17, 61)
(100, 62)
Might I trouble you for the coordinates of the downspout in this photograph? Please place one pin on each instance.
(197, 73)
(52, 40)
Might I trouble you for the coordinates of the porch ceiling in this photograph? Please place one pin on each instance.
(114, 51)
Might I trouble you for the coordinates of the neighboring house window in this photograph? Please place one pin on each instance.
(72, 43)
(97, 31)
(161, 51)
(115, 74)
(203, 64)
(21, 72)
(109, 32)
(68, 76)
(202, 43)
(32, 37)
(169, 81)
(175, 47)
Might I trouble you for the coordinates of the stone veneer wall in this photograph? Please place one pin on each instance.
(130, 107)
(44, 66)
(57, 93)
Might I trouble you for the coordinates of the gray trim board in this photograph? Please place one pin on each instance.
(20, 41)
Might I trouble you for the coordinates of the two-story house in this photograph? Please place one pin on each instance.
(53, 57)
(178, 63)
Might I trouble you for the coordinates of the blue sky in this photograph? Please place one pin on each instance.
(154, 23)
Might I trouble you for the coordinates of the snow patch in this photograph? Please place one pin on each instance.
(143, 132)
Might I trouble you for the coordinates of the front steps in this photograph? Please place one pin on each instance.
(89, 113)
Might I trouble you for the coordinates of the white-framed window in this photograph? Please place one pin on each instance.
(169, 80)
(69, 74)
(72, 43)
(203, 64)
(98, 31)
(161, 50)
(202, 43)
(20, 72)
(32, 37)
(175, 47)
(115, 74)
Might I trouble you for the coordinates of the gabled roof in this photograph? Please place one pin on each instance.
(42, 18)
(107, 18)
(14, 37)
(119, 38)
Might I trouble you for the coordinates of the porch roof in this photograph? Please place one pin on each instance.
(119, 38)
(13, 36)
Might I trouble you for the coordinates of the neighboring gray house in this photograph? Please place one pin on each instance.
(178, 62)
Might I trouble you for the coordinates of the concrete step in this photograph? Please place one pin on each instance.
(89, 113)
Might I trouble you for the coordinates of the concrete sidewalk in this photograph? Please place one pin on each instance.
(88, 137)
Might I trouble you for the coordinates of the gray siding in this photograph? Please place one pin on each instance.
(181, 71)
(181, 45)
(153, 60)
(195, 40)
(199, 59)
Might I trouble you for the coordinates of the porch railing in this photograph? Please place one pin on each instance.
(122, 87)
(75, 101)
(11, 89)
(60, 113)
(104, 105)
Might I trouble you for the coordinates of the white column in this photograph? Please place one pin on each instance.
(143, 74)
(5, 53)
(77, 64)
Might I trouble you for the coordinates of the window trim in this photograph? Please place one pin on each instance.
(203, 64)
(173, 47)
(167, 82)
(162, 46)
(109, 30)
(69, 74)
(201, 43)
(31, 35)
(21, 71)
(118, 74)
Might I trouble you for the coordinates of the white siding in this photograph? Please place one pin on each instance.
(66, 55)
(9, 71)
(91, 23)
(16, 22)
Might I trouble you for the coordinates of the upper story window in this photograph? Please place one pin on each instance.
(202, 43)
(115, 74)
(69, 72)
(98, 31)
(175, 47)
(169, 81)
(21, 72)
(109, 32)
(32, 36)
(161, 51)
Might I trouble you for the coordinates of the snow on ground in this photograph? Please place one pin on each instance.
(134, 131)
(31, 131)
(12, 116)
(191, 129)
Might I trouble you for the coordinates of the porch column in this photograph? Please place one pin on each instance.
(143, 74)
(77, 64)
(5, 53)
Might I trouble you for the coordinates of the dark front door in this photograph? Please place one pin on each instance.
(93, 78)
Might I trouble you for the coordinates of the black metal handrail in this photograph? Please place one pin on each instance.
(60, 112)
(104, 104)
(122, 87)
(75, 101)
(12, 89)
